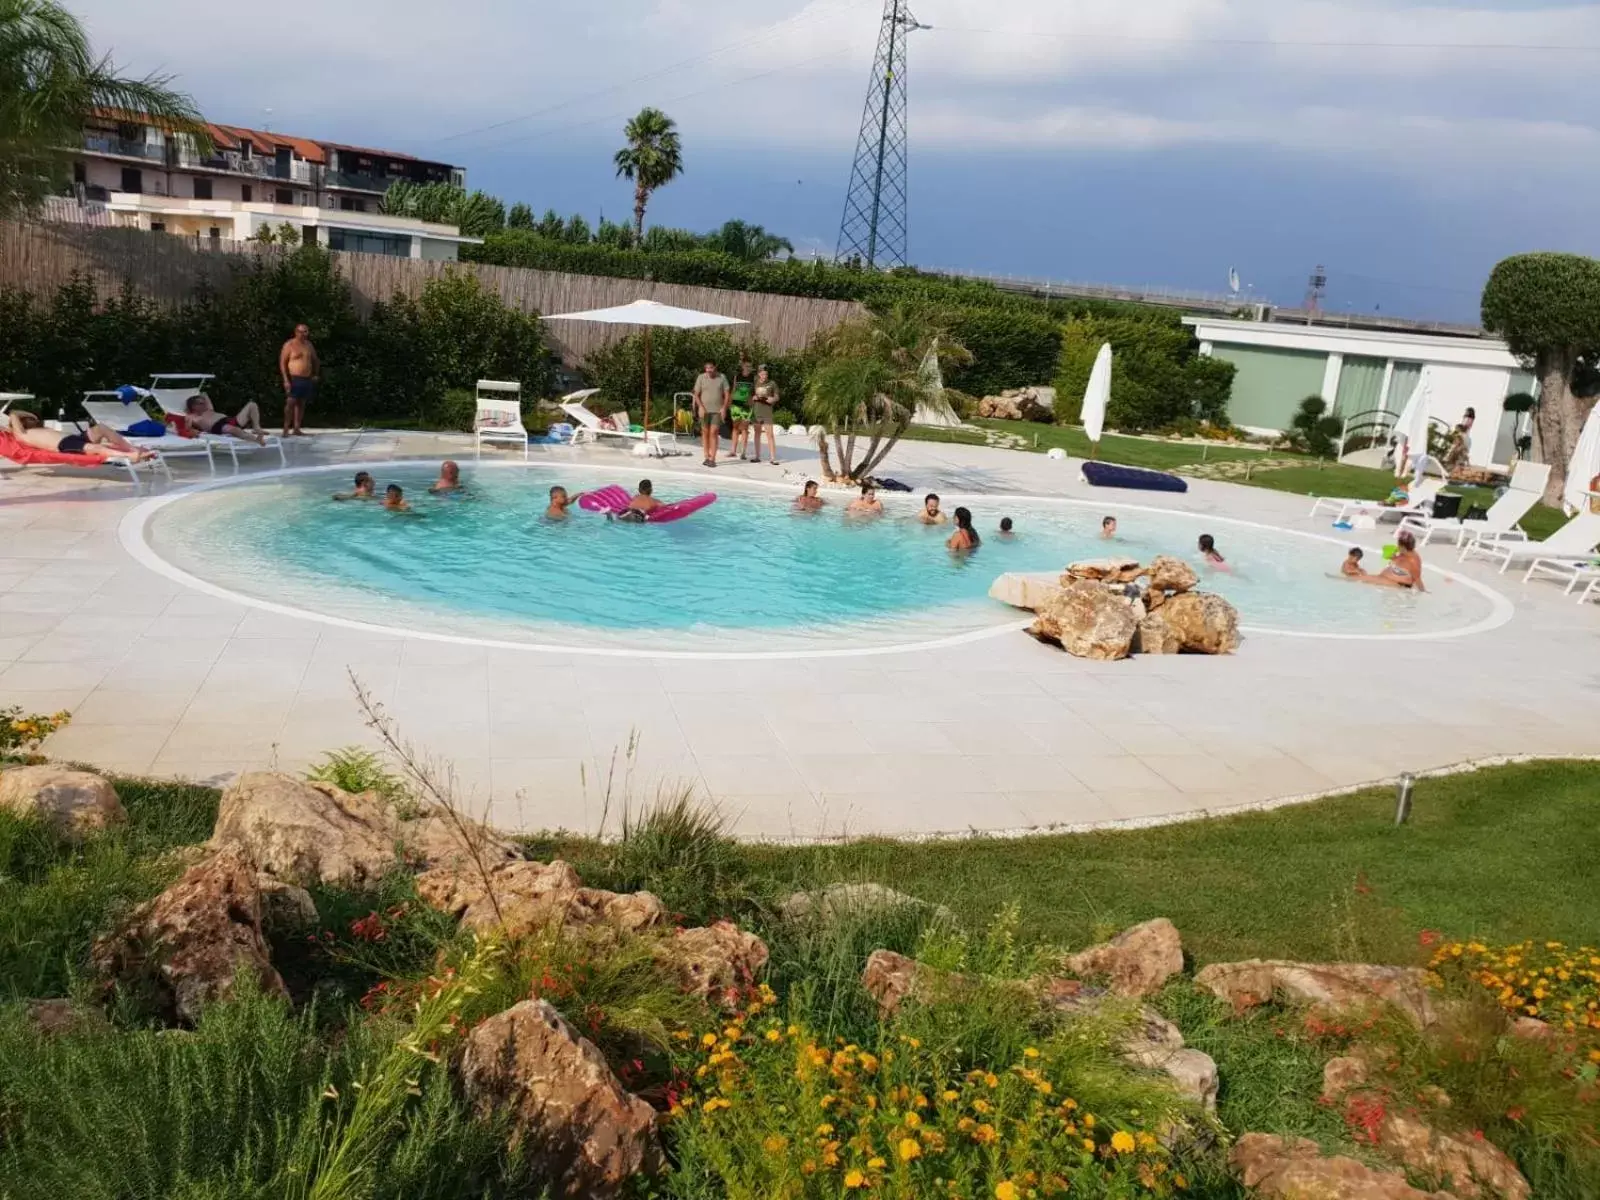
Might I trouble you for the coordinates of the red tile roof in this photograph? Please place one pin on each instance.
(265, 141)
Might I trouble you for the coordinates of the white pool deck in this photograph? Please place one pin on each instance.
(999, 735)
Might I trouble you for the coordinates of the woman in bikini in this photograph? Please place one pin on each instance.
(965, 537)
(1404, 570)
(98, 443)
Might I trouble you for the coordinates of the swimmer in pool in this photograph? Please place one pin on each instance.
(560, 504)
(930, 514)
(1006, 532)
(365, 489)
(965, 537)
(1351, 566)
(449, 480)
(642, 505)
(1209, 552)
(1108, 527)
(808, 500)
(865, 505)
(394, 499)
(1404, 570)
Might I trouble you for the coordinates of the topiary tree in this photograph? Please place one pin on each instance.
(1314, 429)
(1547, 307)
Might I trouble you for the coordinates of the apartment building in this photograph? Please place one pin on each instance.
(146, 176)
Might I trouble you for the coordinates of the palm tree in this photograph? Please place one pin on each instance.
(652, 159)
(749, 243)
(51, 82)
(871, 377)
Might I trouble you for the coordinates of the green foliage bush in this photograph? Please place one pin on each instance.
(1313, 430)
(395, 365)
(1158, 375)
(676, 357)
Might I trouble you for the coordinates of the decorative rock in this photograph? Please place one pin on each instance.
(1333, 988)
(1532, 1029)
(1021, 590)
(531, 896)
(1294, 1169)
(1471, 1168)
(1112, 570)
(61, 1018)
(1342, 1075)
(1156, 636)
(72, 803)
(1168, 574)
(284, 903)
(1087, 621)
(561, 1097)
(891, 979)
(1194, 1072)
(845, 899)
(194, 938)
(714, 961)
(310, 833)
(1204, 622)
(1137, 962)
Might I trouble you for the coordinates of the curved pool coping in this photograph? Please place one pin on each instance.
(131, 535)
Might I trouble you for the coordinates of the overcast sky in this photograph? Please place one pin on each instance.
(1156, 141)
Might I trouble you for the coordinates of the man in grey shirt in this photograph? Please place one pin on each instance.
(710, 398)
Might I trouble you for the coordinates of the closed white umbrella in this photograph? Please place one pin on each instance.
(1411, 428)
(1096, 396)
(1585, 464)
(649, 313)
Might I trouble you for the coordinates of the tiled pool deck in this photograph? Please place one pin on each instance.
(997, 735)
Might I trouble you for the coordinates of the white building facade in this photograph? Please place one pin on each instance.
(1364, 374)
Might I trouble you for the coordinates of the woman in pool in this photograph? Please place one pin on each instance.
(1404, 570)
(865, 505)
(366, 489)
(965, 537)
(449, 480)
(808, 500)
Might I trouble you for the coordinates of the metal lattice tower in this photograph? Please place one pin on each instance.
(874, 225)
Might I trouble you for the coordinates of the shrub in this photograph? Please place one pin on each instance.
(1312, 431)
(355, 770)
(783, 418)
(1158, 375)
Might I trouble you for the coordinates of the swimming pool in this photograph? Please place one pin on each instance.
(746, 575)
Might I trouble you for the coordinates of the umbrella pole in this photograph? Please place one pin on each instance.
(647, 378)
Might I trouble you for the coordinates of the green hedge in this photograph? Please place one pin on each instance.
(396, 365)
(676, 357)
(1158, 376)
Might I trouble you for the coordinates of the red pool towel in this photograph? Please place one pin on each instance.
(25, 455)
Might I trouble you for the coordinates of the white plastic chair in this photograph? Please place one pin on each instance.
(108, 409)
(498, 419)
(1573, 543)
(1421, 502)
(171, 390)
(1500, 523)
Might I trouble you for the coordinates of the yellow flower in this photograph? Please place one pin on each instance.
(909, 1149)
(990, 1081)
(824, 1129)
(981, 1106)
(715, 1103)
(869, 1062)
(1005, 1190)
(854, 1179)
(1045, 1087)
(774, 1144)
(1030, 1052)
(949, 1096)
(774, 1036)
(876, 1164)
(912, 1120)
(1088, 1145)
(1179, 1182)
(1088, 1120)
(1123, 1143)
(708, 1040)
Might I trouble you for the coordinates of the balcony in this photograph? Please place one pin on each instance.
(355, 181)
(105, 143)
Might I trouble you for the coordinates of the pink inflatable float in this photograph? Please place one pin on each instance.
(613, 499)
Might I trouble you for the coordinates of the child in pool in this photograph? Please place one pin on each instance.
(1209, 552)
(1351, 566)
(642, 505)
(365, 489)
(560, 504)
(1006, 532)
(1108, 528)
(394, 499)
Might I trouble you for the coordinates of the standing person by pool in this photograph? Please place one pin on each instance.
(449, 479)
(394, 499)
(761, 404)
(965, 537)
(1209, 551)
(930, 514)
(710, 397)
(1404, 570)
(1006, 533)
(301, 368)
(365, 488)
(744, 387)
(808, 500)
(1108, 527)
(865, 505)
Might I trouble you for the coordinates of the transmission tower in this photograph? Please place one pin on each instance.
(874, 226)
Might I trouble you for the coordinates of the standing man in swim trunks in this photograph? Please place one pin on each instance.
(300, 367)
(744, 387)
(710, 397)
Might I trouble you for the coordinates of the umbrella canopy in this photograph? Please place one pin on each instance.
(1585, 464)
(650, 314)
(1097, 395)
(1411, 427)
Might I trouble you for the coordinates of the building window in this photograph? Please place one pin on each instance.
(308, 234)
(216, 234)
(397, 245)
(352, 204)
(285, 195)
(158, 226)
(202, 189)
(246, 192)
(80, 173)
(132, 179)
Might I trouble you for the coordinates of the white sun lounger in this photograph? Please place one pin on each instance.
(171, 390)
(1574, 543)
(1501, 521)
(1573, 571)
(108, 409)
(1590, 592)
(588, 428)
(499, 416)
(7, 399)
(1422, 497)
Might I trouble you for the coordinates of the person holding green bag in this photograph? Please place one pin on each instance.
(744, 386)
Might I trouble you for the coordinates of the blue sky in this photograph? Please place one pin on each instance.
(1159, 142)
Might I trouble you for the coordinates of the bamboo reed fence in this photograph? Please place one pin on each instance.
(39, 258)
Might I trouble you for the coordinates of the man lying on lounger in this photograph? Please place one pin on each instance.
(99, 442)
(206, 419)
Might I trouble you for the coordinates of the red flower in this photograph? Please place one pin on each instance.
(369, 928)
(1429, 937)
(1515, 1114)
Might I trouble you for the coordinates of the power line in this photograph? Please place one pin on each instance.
(1270, 42)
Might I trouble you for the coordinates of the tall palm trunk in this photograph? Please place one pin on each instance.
(641, 197)
(823, 455)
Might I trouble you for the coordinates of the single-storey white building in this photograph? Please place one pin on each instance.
(1363, 374)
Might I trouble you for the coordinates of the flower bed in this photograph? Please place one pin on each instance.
(1552, 981)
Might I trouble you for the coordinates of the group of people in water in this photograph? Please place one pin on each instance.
(964, 537)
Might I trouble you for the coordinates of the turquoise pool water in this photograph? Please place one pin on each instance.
(745, 574)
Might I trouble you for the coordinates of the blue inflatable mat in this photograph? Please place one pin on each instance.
(1109, 475)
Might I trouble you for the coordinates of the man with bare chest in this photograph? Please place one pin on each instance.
(300, 368)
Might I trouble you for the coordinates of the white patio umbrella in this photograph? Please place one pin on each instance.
(649, 313)
(1096, 396)
(1585, 464)
(1411, 427)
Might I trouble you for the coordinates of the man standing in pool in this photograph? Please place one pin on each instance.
(710, 398)
(301, 368)
(930, 514)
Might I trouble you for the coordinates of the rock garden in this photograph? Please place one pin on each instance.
(346, 987)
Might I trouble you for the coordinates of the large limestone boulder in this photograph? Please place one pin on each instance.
(1102, 570)
(843, 900)
(1294, 1169)
(194, 939)
(1204, 622)
(1022, 590)
(72, 803)
(1137, 962)
(308, 833)
(524, 897)
(1155, 635)
(1087, 621)
(1168, 574)
(563, 1101)
(1343, 989)
(1471, 1167)
(891, 979)
(716, 962)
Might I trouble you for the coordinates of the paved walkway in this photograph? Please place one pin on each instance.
(1000, 735)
